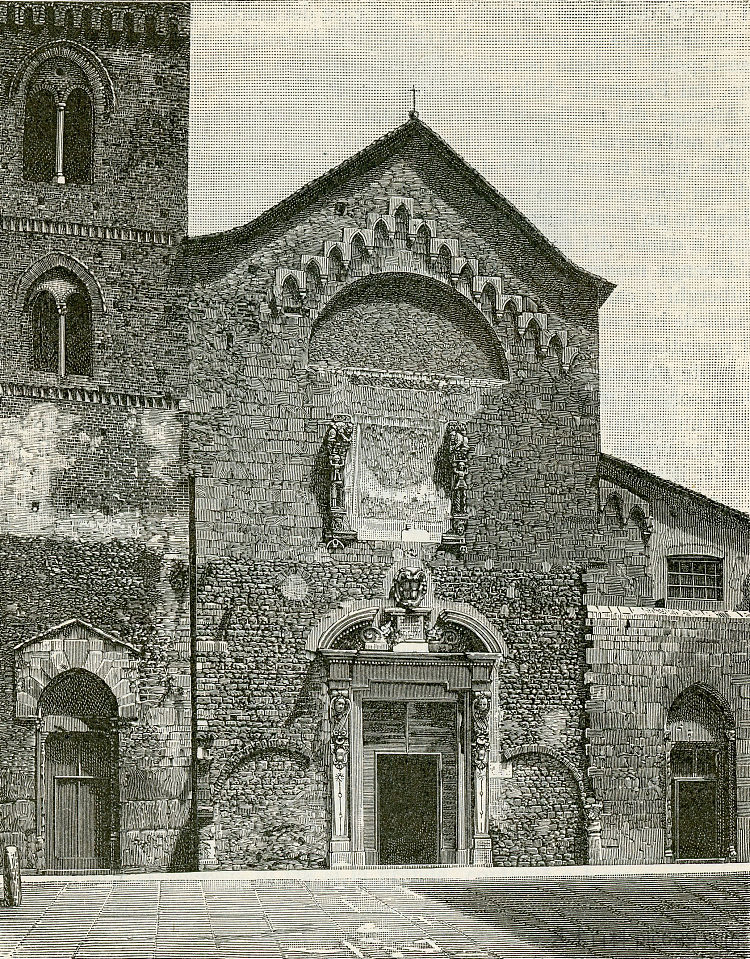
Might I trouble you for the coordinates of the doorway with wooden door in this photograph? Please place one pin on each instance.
(77, 769)
(701, 820)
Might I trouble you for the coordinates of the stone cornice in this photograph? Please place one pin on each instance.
(93, 231)
(84, 394)
(411, 658)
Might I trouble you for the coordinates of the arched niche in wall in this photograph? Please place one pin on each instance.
(701, 777)
(407, 323)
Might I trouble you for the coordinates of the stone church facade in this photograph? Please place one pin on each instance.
(310, 555)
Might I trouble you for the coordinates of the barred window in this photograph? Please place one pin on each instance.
(695, 577)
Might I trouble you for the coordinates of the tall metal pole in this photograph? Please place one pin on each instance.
(193, 580)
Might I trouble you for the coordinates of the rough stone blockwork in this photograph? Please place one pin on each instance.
(125, 589)
(640, 662)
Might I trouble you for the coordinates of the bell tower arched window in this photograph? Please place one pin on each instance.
(46, 323)
(78, 336)
(39, 132)
(78, 130)
(58, 124)
(61, 319)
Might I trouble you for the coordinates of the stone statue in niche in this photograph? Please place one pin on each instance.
(337, 442)
(458, 453)
(410, 587)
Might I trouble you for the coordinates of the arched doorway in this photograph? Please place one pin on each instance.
(409, 727)
(700, 767)
(77, 769)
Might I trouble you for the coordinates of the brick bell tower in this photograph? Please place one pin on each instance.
(93, 161)
(94, 494)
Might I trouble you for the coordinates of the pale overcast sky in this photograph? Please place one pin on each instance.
(619, 129)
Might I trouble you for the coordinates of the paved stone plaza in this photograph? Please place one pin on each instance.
(373, 916)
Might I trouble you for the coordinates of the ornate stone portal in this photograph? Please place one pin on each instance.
(397, 704)
(360, 680)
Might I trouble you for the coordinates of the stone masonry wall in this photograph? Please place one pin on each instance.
(134, 592)
(124, 227)
(398, 320)
(93, 525)
(260, 410)
(140, 151)
(261, 695)
(639, 662)
(92, 472)
(539, 820)
(262, 393)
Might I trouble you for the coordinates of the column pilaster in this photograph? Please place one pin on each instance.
(480, 751)
(340, 707)
(59, 141)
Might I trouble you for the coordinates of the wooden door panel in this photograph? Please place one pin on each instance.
(408, 809)
(65, 820)
(697, 820)
(79, 816)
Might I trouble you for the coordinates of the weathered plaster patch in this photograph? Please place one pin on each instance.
(29, 457)
(162, 431)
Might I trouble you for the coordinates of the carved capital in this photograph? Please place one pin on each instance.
(593, 811)
(340, 708)
(480, 732)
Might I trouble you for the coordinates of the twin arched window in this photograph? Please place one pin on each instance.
(58, 125)
(62, 326)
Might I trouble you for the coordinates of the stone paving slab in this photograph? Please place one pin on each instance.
(274, 916)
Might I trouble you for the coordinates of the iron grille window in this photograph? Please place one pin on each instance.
(695, 577)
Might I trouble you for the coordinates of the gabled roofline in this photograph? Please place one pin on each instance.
(83, 625)
(638, 481)
(369, 157)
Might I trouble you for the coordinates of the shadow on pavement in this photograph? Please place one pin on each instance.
(635, 918)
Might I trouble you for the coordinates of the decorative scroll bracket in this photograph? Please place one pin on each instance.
(340, 706)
